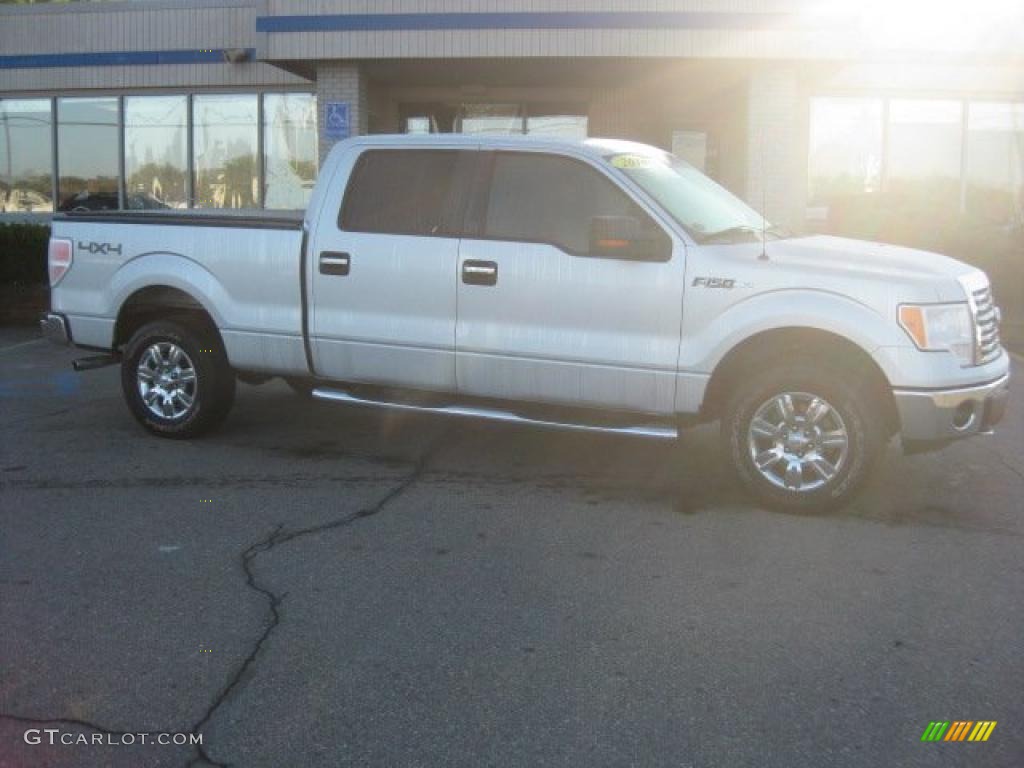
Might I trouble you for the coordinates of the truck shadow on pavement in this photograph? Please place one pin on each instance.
(690, 474)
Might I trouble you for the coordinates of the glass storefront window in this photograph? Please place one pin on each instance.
(995, 161)
(563, 121)
(156, 152)
(290, 147)
(87, 154)
(225, 145)
(26, 156)
(418, 125)
(225, 165)
(923, 153)
(845, 155)
(490, 118)
(428, 117)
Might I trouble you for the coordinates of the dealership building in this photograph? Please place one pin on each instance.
(798, 107)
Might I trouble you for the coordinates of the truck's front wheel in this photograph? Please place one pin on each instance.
(176, 380)
(802, 437)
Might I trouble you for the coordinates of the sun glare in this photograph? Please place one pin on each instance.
(934, 25)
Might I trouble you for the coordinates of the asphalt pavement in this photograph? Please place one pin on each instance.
(320, 585)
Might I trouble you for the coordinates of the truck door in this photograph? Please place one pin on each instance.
(384, 265)
(569, 291)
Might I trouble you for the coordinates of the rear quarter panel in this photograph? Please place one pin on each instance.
(247, 279)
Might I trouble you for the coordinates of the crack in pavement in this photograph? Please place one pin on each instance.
(280, 536)
(277, 537)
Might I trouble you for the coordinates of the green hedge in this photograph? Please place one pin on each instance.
(23, 253)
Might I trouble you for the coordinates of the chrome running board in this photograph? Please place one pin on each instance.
(493, 414)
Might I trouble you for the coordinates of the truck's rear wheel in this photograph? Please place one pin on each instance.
(802, 437)
(176, 380)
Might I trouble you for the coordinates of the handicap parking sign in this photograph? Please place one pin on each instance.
(337, 120)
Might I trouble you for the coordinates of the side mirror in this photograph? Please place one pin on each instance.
(614, 237)
(622, 237)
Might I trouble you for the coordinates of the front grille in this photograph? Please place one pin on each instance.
(986, 325)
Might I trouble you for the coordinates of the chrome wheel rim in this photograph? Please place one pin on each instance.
(166, 380)
(798, 441)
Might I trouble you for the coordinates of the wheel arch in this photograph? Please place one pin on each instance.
(160, 302)
(798, 343)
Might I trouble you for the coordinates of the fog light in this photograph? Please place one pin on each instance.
(964, 416)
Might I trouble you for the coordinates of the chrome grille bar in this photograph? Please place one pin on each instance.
(986, 324)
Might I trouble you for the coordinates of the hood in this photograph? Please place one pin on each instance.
(914, 274)
(853, 256)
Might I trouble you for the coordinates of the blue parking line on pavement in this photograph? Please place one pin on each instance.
(62, 384)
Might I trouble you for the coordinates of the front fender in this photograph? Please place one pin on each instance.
(706, 343)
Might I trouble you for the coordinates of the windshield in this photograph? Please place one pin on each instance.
(709, 212)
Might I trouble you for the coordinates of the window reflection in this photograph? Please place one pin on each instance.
(490, 118)
(995, 162)
(290, 146)
(924, 149)
(568, 123)
(568, 120)
(156, 152)
(418, 125)
(26, 156)
(87, 149)
(225, 130)
(845, 148)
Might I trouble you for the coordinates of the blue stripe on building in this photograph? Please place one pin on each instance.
(365, 22)
(116, 58)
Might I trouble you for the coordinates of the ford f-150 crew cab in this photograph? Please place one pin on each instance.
(599, 285)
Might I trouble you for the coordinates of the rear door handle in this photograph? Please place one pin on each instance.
(479, 272)
(334, 263)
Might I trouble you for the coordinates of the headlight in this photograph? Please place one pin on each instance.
(940, 328)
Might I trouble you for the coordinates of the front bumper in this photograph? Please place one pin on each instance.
(939, 416)
(55, 328)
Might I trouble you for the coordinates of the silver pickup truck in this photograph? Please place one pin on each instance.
(598, 285)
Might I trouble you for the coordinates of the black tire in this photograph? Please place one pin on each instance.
(213, 391)
(858, 416)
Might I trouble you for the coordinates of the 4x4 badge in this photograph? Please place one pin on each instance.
(100, 248)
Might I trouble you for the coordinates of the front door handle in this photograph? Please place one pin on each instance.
(334, 263)
(479, 272)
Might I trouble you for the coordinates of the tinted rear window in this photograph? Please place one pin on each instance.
(410, 192)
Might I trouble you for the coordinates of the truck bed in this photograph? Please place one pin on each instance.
(244, 269)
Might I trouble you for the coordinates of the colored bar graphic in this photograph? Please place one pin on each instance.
(959, 730)
(982, 730)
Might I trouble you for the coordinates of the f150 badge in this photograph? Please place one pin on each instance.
(100, 248)
(714, 282)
